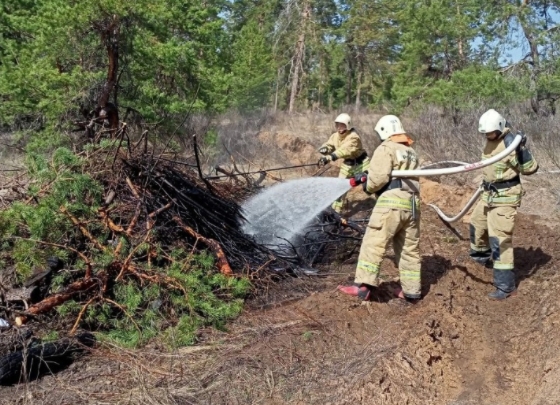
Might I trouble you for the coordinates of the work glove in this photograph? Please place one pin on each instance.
(327, 159)
(324, 150)
(358, 179)
(324, 160)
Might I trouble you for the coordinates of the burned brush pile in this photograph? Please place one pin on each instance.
(129, 244)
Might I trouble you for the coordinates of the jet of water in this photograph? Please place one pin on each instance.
(282, 212)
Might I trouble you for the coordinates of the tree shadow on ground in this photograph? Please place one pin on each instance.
(529, 261)
(434, 267)
(473, 276)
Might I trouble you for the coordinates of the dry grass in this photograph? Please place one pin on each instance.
(439, 136)
(255, 362)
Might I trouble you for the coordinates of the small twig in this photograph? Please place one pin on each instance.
(160, 210)
(122, 132)
(223, 264)
(82, 311)
(196, 155)
(134, 219)
(157, 278)
(82, 228)
(141, 138)
(109, 222)
(129, 257)
(195, 146)
(42, 190)
(132, 188)
(124, 311)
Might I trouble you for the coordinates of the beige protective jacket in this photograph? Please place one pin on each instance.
(387, 157)
(516, 163)
(345, 146)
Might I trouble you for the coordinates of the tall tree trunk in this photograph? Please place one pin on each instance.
(297, 60)
(358, 91)
(277, 89)
(296, 66)
(460, 41)
(110, 35)
(535, 58)
(359, 78)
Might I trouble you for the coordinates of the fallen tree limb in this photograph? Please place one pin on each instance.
(213, 245)
(56, 299)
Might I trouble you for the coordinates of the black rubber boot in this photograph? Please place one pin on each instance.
(504, 281)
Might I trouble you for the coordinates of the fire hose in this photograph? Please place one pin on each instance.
(260, 171)
(460, 169)
(461, 213)
(463, 168)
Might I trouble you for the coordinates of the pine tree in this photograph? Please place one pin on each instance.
(252, 70)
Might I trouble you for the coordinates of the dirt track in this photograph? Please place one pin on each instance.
(310, 345)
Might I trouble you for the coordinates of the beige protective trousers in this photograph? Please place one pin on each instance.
(492, 230)
(386, 225)
(347, 172)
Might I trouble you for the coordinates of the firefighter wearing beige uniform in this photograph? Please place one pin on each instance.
(345, 144)
(395, 216)
(493, 219)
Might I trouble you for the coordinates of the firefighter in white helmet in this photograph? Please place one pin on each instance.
(493, 218)
(344, 144)
(395, 216)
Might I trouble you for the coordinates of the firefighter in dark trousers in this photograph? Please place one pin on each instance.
(493, 219)
(344, 144)
(395, 216)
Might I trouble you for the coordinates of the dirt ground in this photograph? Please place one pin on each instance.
(304, 343)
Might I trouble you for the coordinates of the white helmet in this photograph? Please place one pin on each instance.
(389, 125)
(491, 121)
(343, 119)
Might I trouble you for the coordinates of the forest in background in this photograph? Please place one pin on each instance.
(155, 62)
